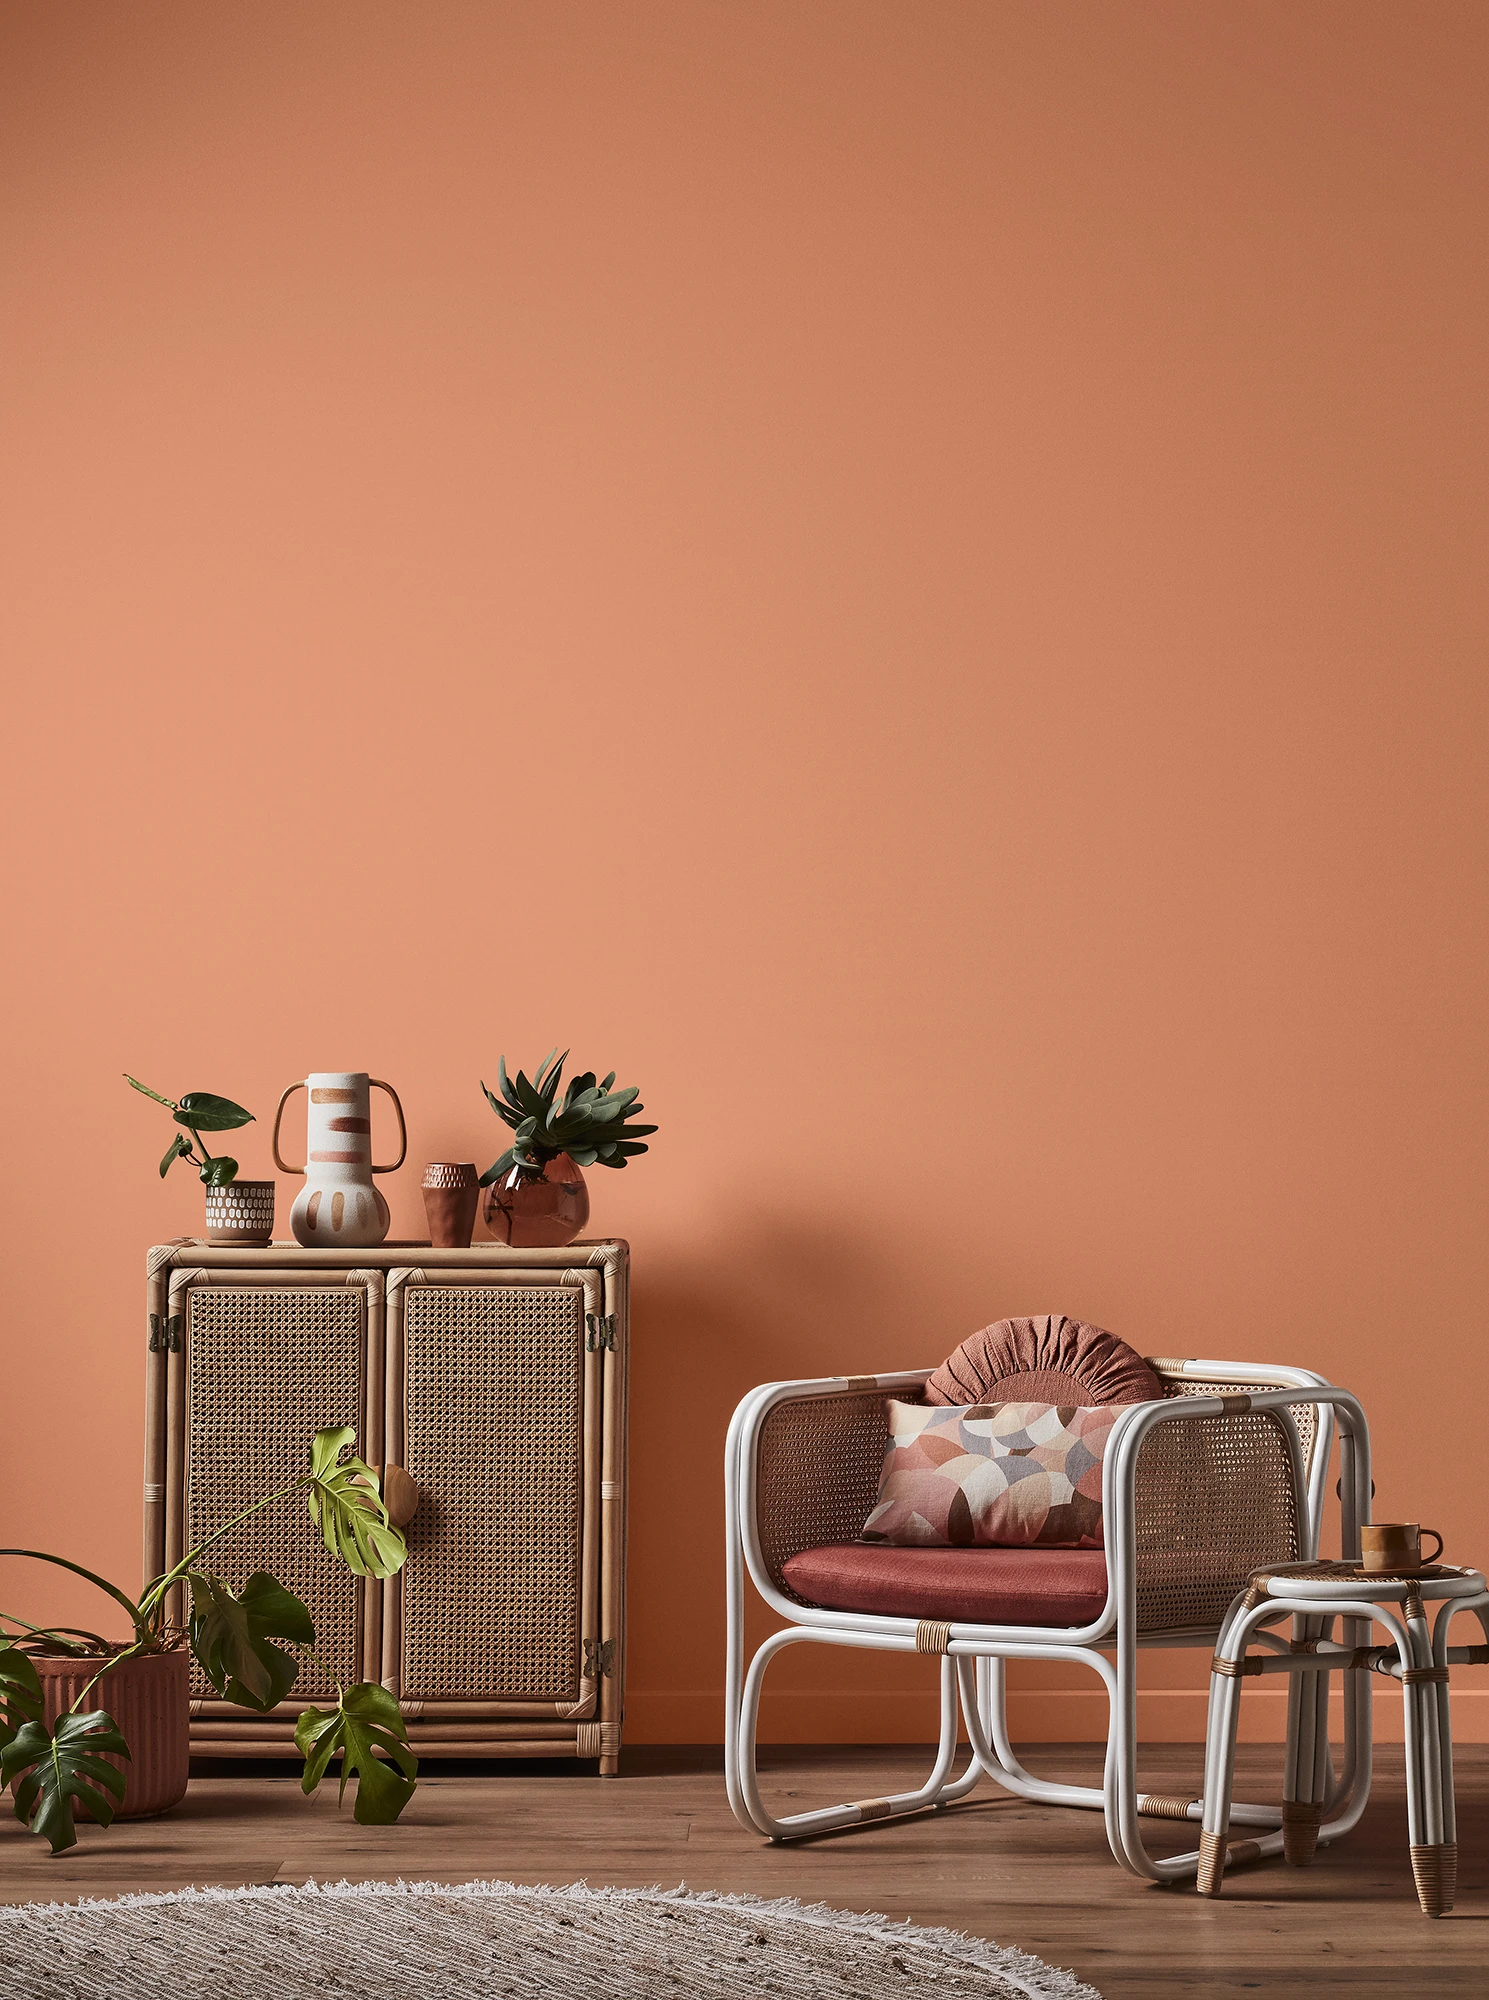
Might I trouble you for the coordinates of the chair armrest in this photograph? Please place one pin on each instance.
(1201, 1490)
(803, 1463)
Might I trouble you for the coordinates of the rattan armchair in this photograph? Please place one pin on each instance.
(1223, 1475)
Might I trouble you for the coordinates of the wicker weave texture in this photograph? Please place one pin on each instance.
(818, 1474)
(268, 1366)
(493, 1416)
(1214, 1500)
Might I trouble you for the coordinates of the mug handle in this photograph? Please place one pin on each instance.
(1437, 1552)
(284, 1165)
(373, 1084)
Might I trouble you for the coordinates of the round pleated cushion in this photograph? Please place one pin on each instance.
(1047, 1360)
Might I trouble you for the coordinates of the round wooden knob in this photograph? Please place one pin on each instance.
(400, 1495)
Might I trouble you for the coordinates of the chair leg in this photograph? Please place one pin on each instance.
(1220, 1765)
(1434, 1852)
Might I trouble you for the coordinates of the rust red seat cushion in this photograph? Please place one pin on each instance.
(1051, 1359)
(954, 1586)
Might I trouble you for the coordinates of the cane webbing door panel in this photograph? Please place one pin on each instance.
(492, 1413)
(267, 1366)
(497, 1379)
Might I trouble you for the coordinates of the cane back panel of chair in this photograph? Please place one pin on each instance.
(494, 1435)
(266, 1368)
(1215, 1499)
(817, 1474)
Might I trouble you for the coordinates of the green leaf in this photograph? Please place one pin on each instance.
(506, 1083)
(62, 1766)
(347, 1507)
(497, 1169)
(606, 1083)
(20, 1692)
(205, 1113)
(365, 1720)
(145, 1091)
(509, 1114)
(232, 1637)
(219, 1172)
(552, 1083)
(179, 1148)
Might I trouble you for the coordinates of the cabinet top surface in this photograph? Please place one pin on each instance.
(610, 1250)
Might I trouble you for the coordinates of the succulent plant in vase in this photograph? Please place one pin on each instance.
(535, 1193)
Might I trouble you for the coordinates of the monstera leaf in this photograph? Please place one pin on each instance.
(346, 1506)
(232, 1637)
(366, 1719)
(62, 1766)
(20, 1693)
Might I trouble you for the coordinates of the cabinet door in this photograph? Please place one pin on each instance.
(494, 1410)
(264, 1363)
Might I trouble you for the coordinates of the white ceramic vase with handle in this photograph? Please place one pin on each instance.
(339, 1208)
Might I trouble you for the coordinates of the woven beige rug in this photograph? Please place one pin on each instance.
(384, 1941)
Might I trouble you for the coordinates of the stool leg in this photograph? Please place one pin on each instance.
(1434, 1856)
(1305, 1782)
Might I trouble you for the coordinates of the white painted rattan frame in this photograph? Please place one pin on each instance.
(973, 1672)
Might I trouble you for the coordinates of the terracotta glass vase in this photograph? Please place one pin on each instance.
(536, 1208)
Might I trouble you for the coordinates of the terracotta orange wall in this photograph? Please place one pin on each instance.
(910, 576)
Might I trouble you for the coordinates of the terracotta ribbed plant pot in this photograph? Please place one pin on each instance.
(147, 1696)
(538, 1208)
(452, 1194)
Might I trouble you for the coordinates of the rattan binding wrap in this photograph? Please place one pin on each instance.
(1300, 1825)
(1436, 1873)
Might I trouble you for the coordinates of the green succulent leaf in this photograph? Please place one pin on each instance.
(219, 1172)
(145, 1091)
(498, 1168)
(49, 1770)
(365, 1720)
(178, 1149)
(347, 1507)
(20, 1692)
(205, 1113)
(232, 1637)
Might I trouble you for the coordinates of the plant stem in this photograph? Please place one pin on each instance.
(206, 1156)
(154, 1595)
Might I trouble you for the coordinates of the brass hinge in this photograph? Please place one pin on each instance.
(165, 1334)
(599, 1331)
(599, 1659)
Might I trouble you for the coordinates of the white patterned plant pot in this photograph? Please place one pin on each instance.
(241, 1212)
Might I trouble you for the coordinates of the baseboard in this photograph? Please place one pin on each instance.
(1073, 1715)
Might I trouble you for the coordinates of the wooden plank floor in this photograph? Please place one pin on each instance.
(1027, 1876)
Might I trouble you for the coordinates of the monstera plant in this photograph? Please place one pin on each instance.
(199, 1111)
(249, 1644)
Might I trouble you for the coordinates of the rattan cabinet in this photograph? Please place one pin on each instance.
(497, 1379)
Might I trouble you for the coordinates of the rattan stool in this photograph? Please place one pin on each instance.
(1316, 1594)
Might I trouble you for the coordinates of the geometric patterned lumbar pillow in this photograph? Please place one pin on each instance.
(992, 1475)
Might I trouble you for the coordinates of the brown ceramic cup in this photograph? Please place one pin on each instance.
(452, 1192)
(1395, 1545)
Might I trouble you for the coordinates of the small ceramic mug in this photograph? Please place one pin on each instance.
(1395, 1545)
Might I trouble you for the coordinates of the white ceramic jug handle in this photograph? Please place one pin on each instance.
(373, 1084)
(284, 1165)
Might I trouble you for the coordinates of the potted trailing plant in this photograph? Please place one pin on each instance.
(535, 1192)
(237, 1211)
(57, 1755)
